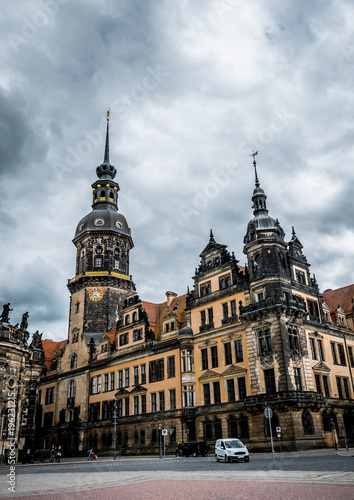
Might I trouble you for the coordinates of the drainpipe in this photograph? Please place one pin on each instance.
(348, 359)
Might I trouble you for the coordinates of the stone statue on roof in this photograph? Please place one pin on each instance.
(24, 322)
(5, 316)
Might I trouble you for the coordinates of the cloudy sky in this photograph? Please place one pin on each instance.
(193, 87)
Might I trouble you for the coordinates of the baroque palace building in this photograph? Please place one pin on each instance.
(203, 365)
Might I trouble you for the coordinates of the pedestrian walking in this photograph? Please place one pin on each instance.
(207, 450)
(59, 454)
(52, 455)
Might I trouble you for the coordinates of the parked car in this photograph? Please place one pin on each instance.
(230, 450)
(194, 448)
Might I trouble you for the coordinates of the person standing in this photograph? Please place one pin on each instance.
(52, 455)
(59, 454)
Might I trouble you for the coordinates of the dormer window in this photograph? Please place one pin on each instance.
(300, 276)
(127, 319)
(135, 316)
(73, 361)
(205, 289)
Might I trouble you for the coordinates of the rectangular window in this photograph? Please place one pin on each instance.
(318, 384)
(153, 402)
(225, 310)
(137, 334)
(136, 405)
(202, 318)
(228, 354)
(206, 390)
(339, 387)
(320, 350)
(239, 351)
(210, 315)
(171, 367)
(242, 387)
(233, 308)
(98, 384)
(127, 377)
(112, 382)
(265, 343)
(120, 379)
(351, 357)
(143, 403)
(106, 375)
(136, 375)
(124, 339)
(214, 356)
(312, 347)
(342, 359)
(269, 380)
(126, 406)
(346, 388)
(231, 390)
(172, 399)
(334, 353)
(143, 374)
(260, 296)
(156, 370)
(120, 407)
(325, 385)
(49, 395)
(162, 400)
(93, 388)
(297, 379)
(142, 437)
(300, 276)
(136, 437)
(217, 394)
(48, 420)
(204, 359)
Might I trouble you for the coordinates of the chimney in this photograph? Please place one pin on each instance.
(170, 296)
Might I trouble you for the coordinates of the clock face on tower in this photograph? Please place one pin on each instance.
(96, 294)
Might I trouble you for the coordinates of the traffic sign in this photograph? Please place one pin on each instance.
(268, 413)
(164, 432)
(278, 429)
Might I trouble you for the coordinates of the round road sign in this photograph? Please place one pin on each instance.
(268, 413)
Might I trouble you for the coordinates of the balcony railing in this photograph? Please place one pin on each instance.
(271, 303)
(284, 397)
(230, 320)
(206, 328)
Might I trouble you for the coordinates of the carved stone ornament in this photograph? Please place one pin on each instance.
(296, 357)
(266, 359)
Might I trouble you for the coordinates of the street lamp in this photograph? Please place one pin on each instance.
(115, 429)
(4, 433)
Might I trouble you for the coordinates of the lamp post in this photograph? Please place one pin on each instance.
(4, 433)
(115, 429)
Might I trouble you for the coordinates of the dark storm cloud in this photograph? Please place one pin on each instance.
(193, 87)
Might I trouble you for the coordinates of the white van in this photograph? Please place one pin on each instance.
(230, 450)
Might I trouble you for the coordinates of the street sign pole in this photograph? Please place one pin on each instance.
(160, 434)
(268, 413)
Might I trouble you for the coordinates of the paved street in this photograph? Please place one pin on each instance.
(301, 476)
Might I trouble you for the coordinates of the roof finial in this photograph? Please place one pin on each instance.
(106, 151)
(293, 233)
(211, 235)
(254, 154)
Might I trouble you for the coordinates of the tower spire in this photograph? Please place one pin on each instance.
(106, 151)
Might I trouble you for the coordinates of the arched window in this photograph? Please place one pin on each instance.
(73, 361)
(228, 281)
(111, 195)
(82, 261)
(238, 426)
(135, 316)
(127, 319)
(326, 421)
(103, 194)
(71, 392)
(264, 341)
(307, 422)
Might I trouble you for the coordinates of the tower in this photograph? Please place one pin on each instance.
(103, 242)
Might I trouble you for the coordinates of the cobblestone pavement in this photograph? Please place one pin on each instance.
(66, 484)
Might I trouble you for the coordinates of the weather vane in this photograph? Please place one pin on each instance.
(254, 154)
(108, 114)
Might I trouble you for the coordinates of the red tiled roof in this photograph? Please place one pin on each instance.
(49, 347)
(157, 312)
(342, 296)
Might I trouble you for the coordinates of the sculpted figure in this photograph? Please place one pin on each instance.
(24, 322)
(5, 316)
